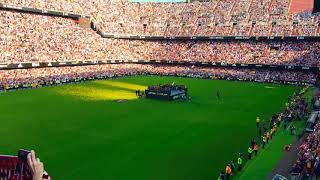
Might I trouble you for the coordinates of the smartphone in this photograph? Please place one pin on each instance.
(23, 155)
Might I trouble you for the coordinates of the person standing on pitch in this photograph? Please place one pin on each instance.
(274, 129)
(250, 153)
(285, 123)
(264, 140)
(267, 136)
(257, 122)
(222, 175)
(271, 133)
(264, 126)
(218, 95)
(219, 177)
(240, 161)
(255, 149)
(232, 166)
(253, 142)
(228, 171)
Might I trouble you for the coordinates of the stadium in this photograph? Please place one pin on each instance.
(159, 89)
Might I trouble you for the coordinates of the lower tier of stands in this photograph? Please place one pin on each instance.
(25, 78)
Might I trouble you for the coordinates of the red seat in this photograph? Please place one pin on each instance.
(11, 168)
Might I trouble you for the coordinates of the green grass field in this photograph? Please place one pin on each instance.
(80, 132)
(260, 166)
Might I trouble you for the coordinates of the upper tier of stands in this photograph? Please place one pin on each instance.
(216, 18)
(35, 38)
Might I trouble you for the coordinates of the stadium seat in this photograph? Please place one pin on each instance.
(11, 168)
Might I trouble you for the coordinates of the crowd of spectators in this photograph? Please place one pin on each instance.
(215, 18)
(308, 162)
(27, 37)
(296, 109)
(23, 78)
(35, 38)
(39, 76)
(307, 165)
(233, 74)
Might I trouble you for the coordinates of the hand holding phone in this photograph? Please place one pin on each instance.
(35, 165)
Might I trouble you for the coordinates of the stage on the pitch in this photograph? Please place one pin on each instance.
(166, 92)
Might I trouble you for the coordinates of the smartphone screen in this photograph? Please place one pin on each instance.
(23, 155)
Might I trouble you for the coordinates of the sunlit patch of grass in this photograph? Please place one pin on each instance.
(96, 94)
(270, 87)
(122, 85)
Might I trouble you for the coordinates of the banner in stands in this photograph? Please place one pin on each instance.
(40, 11)
(212, 38)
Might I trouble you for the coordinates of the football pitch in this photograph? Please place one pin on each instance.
(80, 131)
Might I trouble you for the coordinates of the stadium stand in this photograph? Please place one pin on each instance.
(35, 38)
(308, 161)
(28, 37)
(182, 19)
(26, 78)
